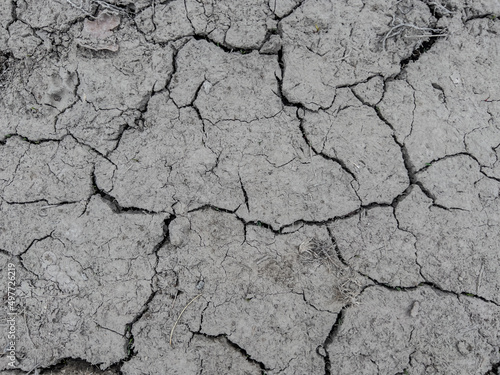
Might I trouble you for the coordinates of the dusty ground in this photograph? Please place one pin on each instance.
(255, 187)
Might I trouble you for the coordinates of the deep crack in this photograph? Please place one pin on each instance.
(236, 347)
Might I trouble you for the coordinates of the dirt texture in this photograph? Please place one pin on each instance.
(258, 187)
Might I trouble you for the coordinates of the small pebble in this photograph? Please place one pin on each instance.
(206, 87)
(414, 309)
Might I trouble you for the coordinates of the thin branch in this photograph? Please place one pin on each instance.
(440, 7)
(182, 312)
(85, 6)
(397, 29)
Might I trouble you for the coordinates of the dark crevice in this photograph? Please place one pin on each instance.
(426, 192)
(399, 198)
(269, 34)
(139, 124)
(5, 252)
(18, 261)
(428, 40)
(33, 142)
(224, 46)
(13, 12)
(260, 224)
(214, 208)
(235, 346)
(294, 8)
(63, 203)
(119, 137)
(329, 339)
(495, 369)
(91, 54)
(54, 140)
(256, 223)
(244, 194)
(193, 28)
(20, 255)
(336, 247)
(97, 152)
(129, 336)
(440, 88)
(374, 281)
(325, 156)
(175, 66)
(490, 16)
(282, 96)
(429, 164)
(424, 47)
(468, 295)
(244, 234)
(354, 84)
(490, 177)
(415, 244)
(407, 162)
(403, 288)
(410, 168)
(139, 121)
(165, 239)
(191, 104)
(329, 220)
(425, 283)
(113, 203)
(283, 229)
(299, 106)
(308, 303)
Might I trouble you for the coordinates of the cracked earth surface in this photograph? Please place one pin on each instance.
(257, 187)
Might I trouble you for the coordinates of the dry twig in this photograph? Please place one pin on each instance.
(398, 28)
(313, 250)
(179, 317)
(442, 9)
(85, 6)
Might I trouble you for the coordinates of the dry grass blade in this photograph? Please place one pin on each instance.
(400, 27)
(85, 6)
(348, 286)
(179, 317)
(442, 9)
(314, 250)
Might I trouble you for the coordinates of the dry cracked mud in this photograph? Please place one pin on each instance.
(255, 187)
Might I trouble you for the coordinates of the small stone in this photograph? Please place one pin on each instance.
(273, 45)
(414, 309)
(206, 87)
(463, 348)
(321, 351)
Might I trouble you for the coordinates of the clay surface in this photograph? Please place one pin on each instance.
(258, 187)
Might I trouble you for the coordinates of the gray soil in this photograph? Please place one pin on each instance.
(255, 187)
